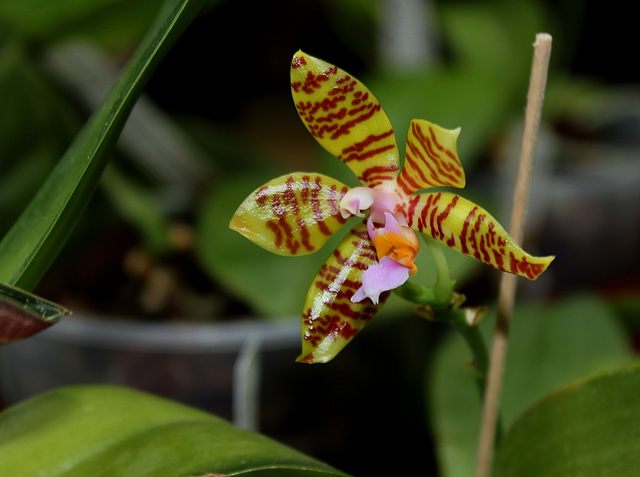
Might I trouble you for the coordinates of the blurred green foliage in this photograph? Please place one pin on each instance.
(587, 428)
(116, 25)
(39, 118)
(548, 347)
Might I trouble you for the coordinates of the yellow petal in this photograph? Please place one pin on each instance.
(471, 230)
(345, 118)
(330, 320)
(431, 158)
(293, 214)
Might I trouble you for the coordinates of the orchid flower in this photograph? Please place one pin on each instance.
(296, 213)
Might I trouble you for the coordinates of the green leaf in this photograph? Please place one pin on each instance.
(588, 428)
(111, 23)
(112, 431)
(136, 204)
(22, 314)
(493, 36)
(34, 241)
(35, 129)
(482, 88)
(548, 347)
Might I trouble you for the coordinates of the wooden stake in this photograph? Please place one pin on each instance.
(506, 298)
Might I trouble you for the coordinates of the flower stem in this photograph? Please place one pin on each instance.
(480, 361)
(464, 320)
(490, 412)
(440, 303)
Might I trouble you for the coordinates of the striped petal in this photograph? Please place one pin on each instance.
(293, 214)
(431, 158)
(345, 118)
(330, 319)
(471, 230)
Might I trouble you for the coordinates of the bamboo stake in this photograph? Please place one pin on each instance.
(506, 298)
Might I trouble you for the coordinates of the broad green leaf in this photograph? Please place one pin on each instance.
(548, 347)
(588, 428)
(111, 431)
(36, 238)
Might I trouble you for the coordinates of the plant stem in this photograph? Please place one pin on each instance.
(444, 285)
(440, 303)
(542, 52)
(480, 362)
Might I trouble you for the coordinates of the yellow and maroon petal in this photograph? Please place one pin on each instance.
(431, 158)
(293, 214)
(345, 118)
(330, 319)
(471, 230)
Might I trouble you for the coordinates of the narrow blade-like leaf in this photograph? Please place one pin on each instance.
(34, 241)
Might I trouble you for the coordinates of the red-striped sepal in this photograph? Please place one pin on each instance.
(471, 230)
(293, 214)
(345, 118)
(431, 158)
(330, 319)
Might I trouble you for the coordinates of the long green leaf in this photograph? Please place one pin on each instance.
(34, 241)
(589, 428)
(111, 431)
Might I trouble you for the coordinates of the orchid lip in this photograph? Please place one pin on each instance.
(383, 276)
(296, 214)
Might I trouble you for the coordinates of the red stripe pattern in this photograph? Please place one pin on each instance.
(431, 158)
(471, 230)
(345, 118)
(293, 214)
(330, 320)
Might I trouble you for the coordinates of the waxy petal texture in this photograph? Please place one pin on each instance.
(293, 214)
(345, 118)
(471, 230)
(431, 158)
(330, 319)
